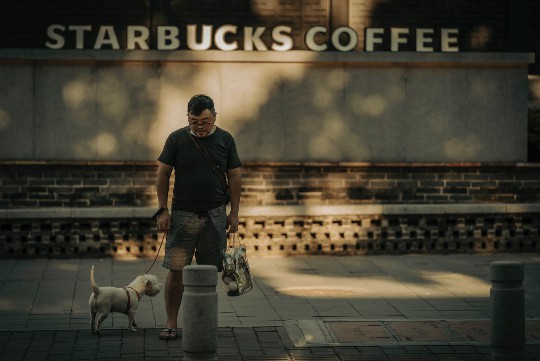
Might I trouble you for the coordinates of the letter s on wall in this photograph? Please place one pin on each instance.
(58, 38)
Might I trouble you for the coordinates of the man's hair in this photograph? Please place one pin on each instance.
(198, 103)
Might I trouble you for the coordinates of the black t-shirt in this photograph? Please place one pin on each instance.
(196, 186)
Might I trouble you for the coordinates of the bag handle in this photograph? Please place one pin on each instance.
(232, 240)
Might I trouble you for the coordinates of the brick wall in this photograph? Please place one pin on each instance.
(76, 185)
(400, 183)
(25, 185)
(114, 186)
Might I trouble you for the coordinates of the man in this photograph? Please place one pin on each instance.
(198, 222)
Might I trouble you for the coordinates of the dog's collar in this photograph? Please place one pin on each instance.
(129, 297)
(138, 296)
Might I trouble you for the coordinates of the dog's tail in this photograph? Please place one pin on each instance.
(93, 282)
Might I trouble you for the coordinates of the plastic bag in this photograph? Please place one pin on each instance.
(236, 274)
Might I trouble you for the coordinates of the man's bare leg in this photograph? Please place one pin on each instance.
(174, 290)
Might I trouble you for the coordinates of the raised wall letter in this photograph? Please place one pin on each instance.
(58, 39)
(79, 34)
(137, 36)
(220, 34)
(282, 39)
(206, 37)
(449, 36)
(253, 38)
(422, 39)
(396, 38)
(106, 36)
(310, 38)
(168, 38)
(353, 38)
(371, 38)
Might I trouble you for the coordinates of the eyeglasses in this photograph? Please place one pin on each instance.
(200, 124)
(204, 122)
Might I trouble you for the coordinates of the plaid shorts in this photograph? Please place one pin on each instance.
(199, 234)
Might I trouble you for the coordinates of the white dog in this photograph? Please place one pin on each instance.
(112, 299)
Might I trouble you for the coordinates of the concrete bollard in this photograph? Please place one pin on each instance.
(200, 313)
(507, 298)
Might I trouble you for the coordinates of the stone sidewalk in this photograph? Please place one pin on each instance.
(411, 307)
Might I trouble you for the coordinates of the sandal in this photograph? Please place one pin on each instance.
(168, 334)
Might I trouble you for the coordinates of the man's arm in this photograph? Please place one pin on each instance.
(162, 188)
(235, 188)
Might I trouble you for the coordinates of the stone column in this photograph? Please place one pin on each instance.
(507, 298)
(199, 316)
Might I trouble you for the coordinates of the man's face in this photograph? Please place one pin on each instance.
(202, 124)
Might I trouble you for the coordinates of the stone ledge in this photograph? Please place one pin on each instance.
(281, 211)
(94, 212)
(276, 164)
(292, 56)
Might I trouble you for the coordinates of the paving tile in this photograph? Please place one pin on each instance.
(28, 269)
(6, 321)
(415, 349)
(464, 349)
(368, 331)
(422, 314)
(6, 268)
(62, 269)
(422, 331)
(36, 356)
(268, 336)
(59, 357)
(473, 331)
(18, 295)
(463, 315)
(532, 330)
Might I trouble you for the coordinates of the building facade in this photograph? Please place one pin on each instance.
(364, 126)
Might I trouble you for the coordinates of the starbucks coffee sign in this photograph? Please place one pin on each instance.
(231, 37)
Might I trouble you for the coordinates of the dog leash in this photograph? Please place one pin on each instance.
(165, 235)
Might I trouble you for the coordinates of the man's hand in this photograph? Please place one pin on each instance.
(232, 222)
(164, 221)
